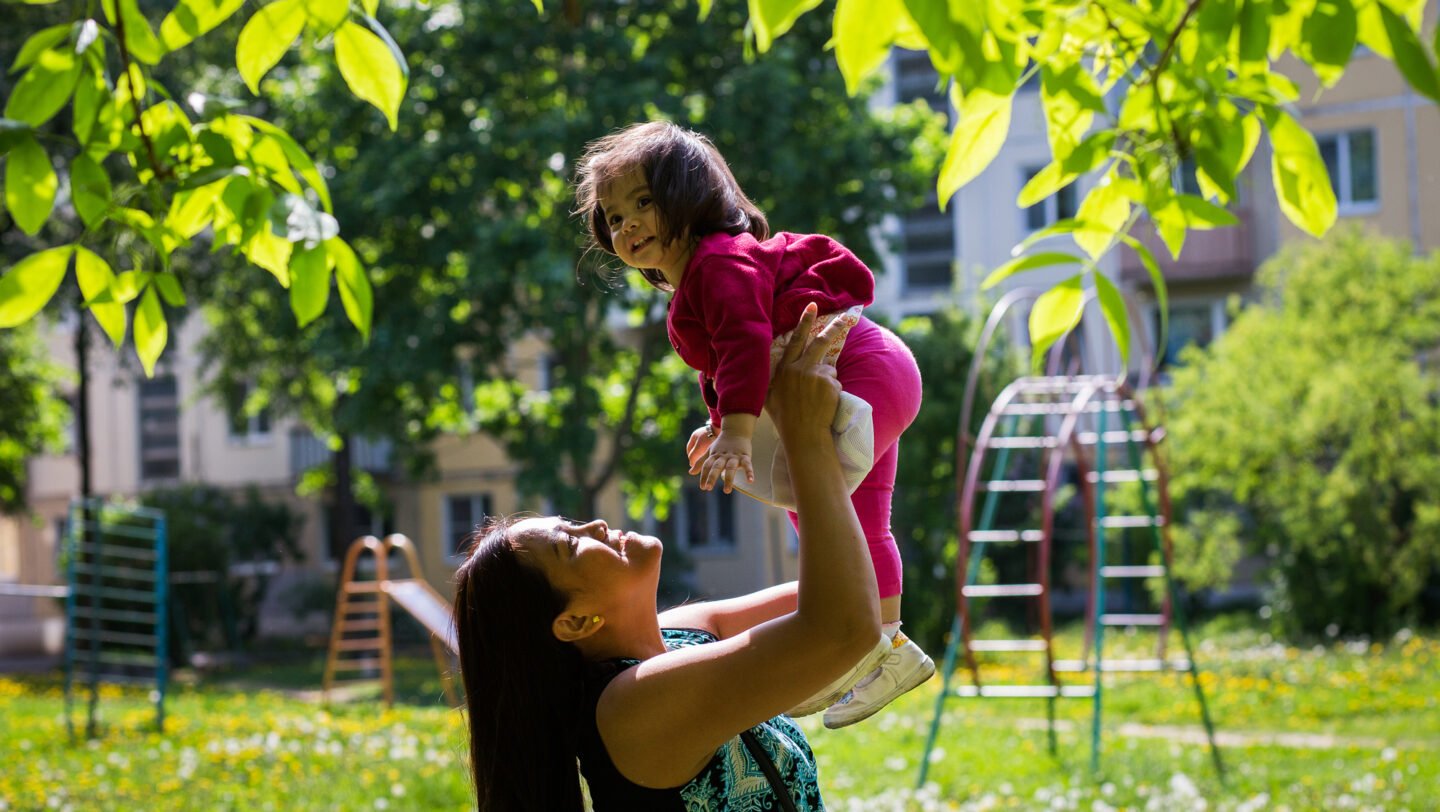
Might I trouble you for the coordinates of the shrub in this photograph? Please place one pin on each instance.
(1310, 429)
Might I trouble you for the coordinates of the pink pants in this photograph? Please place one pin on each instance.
(876, 366)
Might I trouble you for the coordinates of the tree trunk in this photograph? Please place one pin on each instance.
(342, 525)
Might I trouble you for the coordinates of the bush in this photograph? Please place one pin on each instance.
(1310, 430)
(210, 530)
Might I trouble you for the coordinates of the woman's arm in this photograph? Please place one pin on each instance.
(662, 720)
(729, 617)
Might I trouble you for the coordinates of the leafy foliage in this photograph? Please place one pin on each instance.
(468, 236)
(32, 419)
(209, 530)
(1130, 90)
(146, 177)
(1310, 430)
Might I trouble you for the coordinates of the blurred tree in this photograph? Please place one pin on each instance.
(463, 217)
(1309, 434)
(32, 414)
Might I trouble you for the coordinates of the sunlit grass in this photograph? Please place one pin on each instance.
(1349, 725)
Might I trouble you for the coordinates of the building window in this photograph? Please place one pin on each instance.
(1350, 159)
(159, 428)
(702, 521)
(1197, 323)
(1186, 181)
(927, 232)
(464, 512)
(1056, 207)
(254, 428)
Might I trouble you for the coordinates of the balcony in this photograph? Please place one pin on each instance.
(1223, 254)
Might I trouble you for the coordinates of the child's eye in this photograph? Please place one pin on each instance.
(614, 219)
(643, 202)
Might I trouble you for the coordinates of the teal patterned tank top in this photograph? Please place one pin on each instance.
(733, 780)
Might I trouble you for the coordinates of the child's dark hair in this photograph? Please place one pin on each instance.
(523, 686)
(692, 187)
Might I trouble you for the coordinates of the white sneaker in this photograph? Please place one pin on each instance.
(841, 686)
(904, 667)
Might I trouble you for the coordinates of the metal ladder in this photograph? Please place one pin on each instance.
(1066, 407)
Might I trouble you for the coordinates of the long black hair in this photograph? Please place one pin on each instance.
(524, 688)
(694, 191)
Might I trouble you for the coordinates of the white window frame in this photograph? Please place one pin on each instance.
(1347, 206)
(482, 506)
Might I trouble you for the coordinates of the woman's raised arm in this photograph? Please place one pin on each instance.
(662, 720)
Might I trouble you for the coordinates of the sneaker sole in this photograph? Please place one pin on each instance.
(922, 672)
(865, 666)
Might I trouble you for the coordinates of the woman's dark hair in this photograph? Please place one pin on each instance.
(692, 187)
(524, 689)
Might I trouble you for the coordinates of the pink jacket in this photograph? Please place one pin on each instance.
(738, 294)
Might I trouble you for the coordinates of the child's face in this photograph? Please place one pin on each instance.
(635, 229)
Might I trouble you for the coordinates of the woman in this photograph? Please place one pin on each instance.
(566, 662)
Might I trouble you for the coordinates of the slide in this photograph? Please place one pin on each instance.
(421, 600)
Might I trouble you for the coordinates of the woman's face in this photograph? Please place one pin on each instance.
(589, 559)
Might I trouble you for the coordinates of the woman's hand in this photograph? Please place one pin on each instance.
(699, 443)
(804, 393)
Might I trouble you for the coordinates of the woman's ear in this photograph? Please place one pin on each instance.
(570, 627)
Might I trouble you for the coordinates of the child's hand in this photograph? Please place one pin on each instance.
(728, 454)
(700, 440)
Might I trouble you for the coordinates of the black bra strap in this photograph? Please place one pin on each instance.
(782, 793)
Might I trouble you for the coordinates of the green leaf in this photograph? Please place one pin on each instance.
(1058, 174)
(1112, 307)
(1410, 54)
(1302, 183)
(129, 284)
(1201, 214)
(372, 6)
(140, 38)
(1328, 38)
(151, 331)
(194, 18)
(271, 252)
(90, 189)
(90, 95)
(772, 18)
(355, 292)
(44, 88)
(1055, 229)
(191, 210)
(1101, 217)
(1029, 262)
(864, 32)
(39, 42)
(30, 185)
(1056, 312)
(540, 7)
(379, 30)
(1157, 281)
(326, 15)
(370, 69)
(265, 39)
(1071, 99)
(30, 283)
(984, 123)
(12, 132)
(96, 286)
(297, 157)
(1170, 225)
(309, 283)
(169, 288)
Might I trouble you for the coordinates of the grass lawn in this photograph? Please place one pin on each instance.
(1348, 726)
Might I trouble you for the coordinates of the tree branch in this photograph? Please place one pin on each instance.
(626, 430)
(125, 65)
